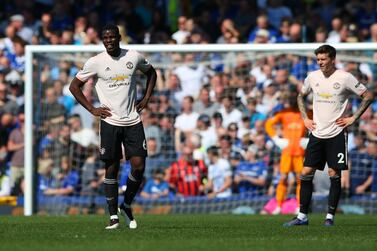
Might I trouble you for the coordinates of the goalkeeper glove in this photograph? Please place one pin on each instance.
(280, 142)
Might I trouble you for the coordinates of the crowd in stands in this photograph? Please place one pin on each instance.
(205, 122)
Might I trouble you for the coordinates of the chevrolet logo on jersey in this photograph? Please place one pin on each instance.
(120, 78)
(325, 95)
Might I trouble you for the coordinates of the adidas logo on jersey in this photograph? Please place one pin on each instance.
(107, 69)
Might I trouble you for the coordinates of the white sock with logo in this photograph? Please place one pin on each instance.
(330, 217)
(302, 216)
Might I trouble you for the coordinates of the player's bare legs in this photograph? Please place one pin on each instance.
(134, 181)
(111, 191)
(334, 195)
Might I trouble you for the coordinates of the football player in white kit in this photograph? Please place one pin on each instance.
(331, 89)
(114, 72)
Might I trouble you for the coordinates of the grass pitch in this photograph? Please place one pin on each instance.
(187, 232)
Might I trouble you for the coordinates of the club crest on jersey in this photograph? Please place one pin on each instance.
(102, 150)
(129, 65)
(336, 85)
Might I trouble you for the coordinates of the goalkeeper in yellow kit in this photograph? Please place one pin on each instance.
(291, 142)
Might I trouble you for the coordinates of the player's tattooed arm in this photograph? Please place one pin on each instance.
(367, 99)
(301, 105)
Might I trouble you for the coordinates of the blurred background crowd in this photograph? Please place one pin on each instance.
(205, 123)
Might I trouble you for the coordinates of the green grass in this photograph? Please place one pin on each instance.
(187, 232)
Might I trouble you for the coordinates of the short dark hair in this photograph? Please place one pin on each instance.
(213, 150)
(111, 27)
(326, 49)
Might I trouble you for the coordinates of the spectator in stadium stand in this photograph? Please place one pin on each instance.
(83, 136)
(283, 35)
(90, 174)
(17, 60)
(262, 36)
(174, 90)
(150, 123)
(334, 34)
(45, 177)
(67, 37)
(252, 113)
(155, 187)
(228, 110)
(167, 138)
(51, 111)
(206, 131)
(219, 175)
(191, 75)
(92, 36)
(185, 175)
(225, 146)
(68, 179)
(7, 105)
(217, 123)
(320, 35)
(181, 34)
(263, 24)
(4, 182)
(43, 28)
(250, 174)
(203, 104)
(16, 146)
(6, 43)
(295, 32)
(155, 159)
(17, 21)
(67, 101)
(227, 29)
(165, 106)
(269, 99)
(366, 16)
(276, 11)
(232, 131)
(48, 139)
(216, 89)
(61, 146)
(3, 145)
(185, 122)
(79, 30)
(361, 168)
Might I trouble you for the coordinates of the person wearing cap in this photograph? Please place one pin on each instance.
(291, 145)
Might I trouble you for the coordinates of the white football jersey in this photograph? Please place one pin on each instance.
(330, 99)
(115, 83)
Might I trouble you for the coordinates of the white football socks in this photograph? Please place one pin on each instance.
(302, 216)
